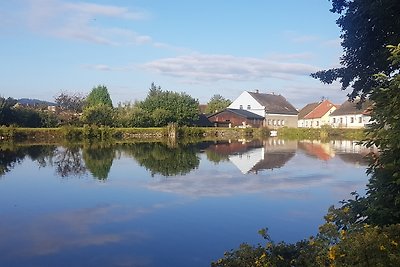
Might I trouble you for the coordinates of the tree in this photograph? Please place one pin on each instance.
(99, 95)
(6, 112)
(367, 28)
(70, 102)
(166, 106)
(383, 195)
(217, 103)
(99, 114)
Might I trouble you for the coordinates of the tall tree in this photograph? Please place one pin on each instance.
(168, 106)
(371, 69)
(217, 103)
(99, 95)
(367, 28)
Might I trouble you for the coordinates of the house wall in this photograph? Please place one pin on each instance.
(275, 121)
(316, 122)
(226, 117)
(349, 121)
(246, 101)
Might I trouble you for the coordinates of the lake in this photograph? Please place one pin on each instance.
(156, 204)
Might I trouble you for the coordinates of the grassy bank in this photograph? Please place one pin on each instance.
(322, 133)
(70, 133)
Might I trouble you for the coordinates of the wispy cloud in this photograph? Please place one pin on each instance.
(105, 67)
(83, 21)
(200, 67)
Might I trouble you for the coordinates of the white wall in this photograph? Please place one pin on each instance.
(246, 99)
(350, 121)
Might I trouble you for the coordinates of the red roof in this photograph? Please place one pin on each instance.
(320, 110)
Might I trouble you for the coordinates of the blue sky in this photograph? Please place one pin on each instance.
(199, 47)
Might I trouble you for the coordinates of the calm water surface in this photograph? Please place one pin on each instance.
(150, 204)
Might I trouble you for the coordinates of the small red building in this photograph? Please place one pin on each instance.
(236, 118)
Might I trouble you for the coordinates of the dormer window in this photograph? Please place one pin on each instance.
(241, 107)
(248, 107)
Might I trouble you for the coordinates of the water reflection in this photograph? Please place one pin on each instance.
(159, 158)
(10, 156)
(99, 159)
(68, 161)
(152, 195)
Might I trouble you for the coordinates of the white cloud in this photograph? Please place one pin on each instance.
(83, 21)
(198, 67)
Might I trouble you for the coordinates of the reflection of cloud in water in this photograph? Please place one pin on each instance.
(215, 183)
(54, 233)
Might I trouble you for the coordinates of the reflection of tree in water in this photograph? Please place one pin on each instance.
(161, 159)
(216, 157)
(98, 160)
(68, 161)
(10, 156)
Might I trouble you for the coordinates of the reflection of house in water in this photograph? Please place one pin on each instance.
(352, 152)
(272, 154)
(316, 149)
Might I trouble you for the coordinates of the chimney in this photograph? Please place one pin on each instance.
(256, 91)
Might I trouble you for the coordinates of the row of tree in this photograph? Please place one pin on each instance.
(158, 109)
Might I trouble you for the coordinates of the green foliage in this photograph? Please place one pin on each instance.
(190, 131)
(217, 103)
(132, 116)
(7, 116)
(99, 96)
(99, 114)
(383, 193)
(166, 107)
(161, 117)
(338, 243)
(367, 28)
(322, 133)
(71, 133)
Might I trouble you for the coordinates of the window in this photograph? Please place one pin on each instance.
(334, 120)
(283, 122)
(351, 120)
(278, 122)
(341, 120)
(274, 122)
(241, 106)
(317, 122)
(359, 119)
(248, 107)
(306, 123)
(269, 122)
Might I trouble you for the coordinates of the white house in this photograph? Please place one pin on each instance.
(315, 115)
(351, 115)
(276, 110)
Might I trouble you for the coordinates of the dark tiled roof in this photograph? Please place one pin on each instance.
(245, 113)
(307, 109)
(241, 112)
(349, 108)
(275, 104)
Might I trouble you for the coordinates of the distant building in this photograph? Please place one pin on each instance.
(236, 118)
(315, 115)
(351, 115)
(275, 109)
